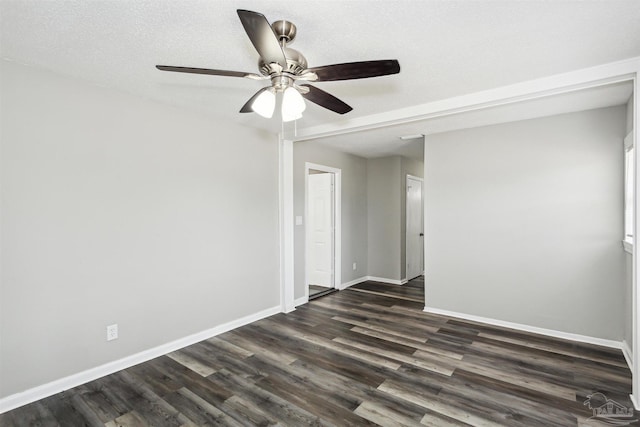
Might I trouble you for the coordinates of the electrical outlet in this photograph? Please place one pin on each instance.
(355, 267)
(112, 332)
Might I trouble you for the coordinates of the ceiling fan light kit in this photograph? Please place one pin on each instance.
(292, 104)
(286, 68)
(265, 103)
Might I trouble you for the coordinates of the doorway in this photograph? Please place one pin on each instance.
(414, 229)
(322, 230)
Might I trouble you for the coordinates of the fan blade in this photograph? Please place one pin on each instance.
(262, 36)
(208, 71)
(355, 70)
(326, 100)
(246, 108)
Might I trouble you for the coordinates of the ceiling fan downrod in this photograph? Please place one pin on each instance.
(285, 31)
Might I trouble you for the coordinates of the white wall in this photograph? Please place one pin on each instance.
(524, 222)
(120, 210)
(354, 209)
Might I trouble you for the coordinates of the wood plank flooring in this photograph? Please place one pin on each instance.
(368, 355)
(316, 291)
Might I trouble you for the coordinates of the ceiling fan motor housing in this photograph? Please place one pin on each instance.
(296, 64)
(286, 32)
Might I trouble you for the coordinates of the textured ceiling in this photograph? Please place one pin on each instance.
(445, 48)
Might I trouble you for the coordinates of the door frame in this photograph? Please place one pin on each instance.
(406, 222)
(337, 223)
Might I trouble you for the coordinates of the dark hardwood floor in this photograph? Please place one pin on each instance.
(316, 291)
(368, 355)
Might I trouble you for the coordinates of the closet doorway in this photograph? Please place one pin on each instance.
(322, 230)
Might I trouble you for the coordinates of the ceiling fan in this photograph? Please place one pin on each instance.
(286, 68)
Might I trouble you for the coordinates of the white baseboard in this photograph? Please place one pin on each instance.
(526, 328)
(373, 279)
(353, 282)
(45, 390)
(300, 301)
(627, 353)
(385, 280)
(345, 285)
(636, 402)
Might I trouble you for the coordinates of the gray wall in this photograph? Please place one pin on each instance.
(383, 202)
(354, 209)
(524, 222)
(387, 210)
(120, 210)
(373, 211)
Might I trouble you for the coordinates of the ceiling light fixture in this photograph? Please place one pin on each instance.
(292, 104)
(265, 103)
(288, 70)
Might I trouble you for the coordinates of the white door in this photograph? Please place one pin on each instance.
(415, 240)
(320, 228)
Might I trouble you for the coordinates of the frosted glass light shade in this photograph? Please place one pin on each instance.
(265, 104)
(292, 105)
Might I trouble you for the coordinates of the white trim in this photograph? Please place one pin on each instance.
(362, 279)
(301, 300)
(527, 328)
(628, 141)
(626, 352)
(627, 240)
(337, 232)
(287, 277)
(45, 390)
(635, 295)
(385, 280)
(636, 403)
(353, 282)
(343, 286)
